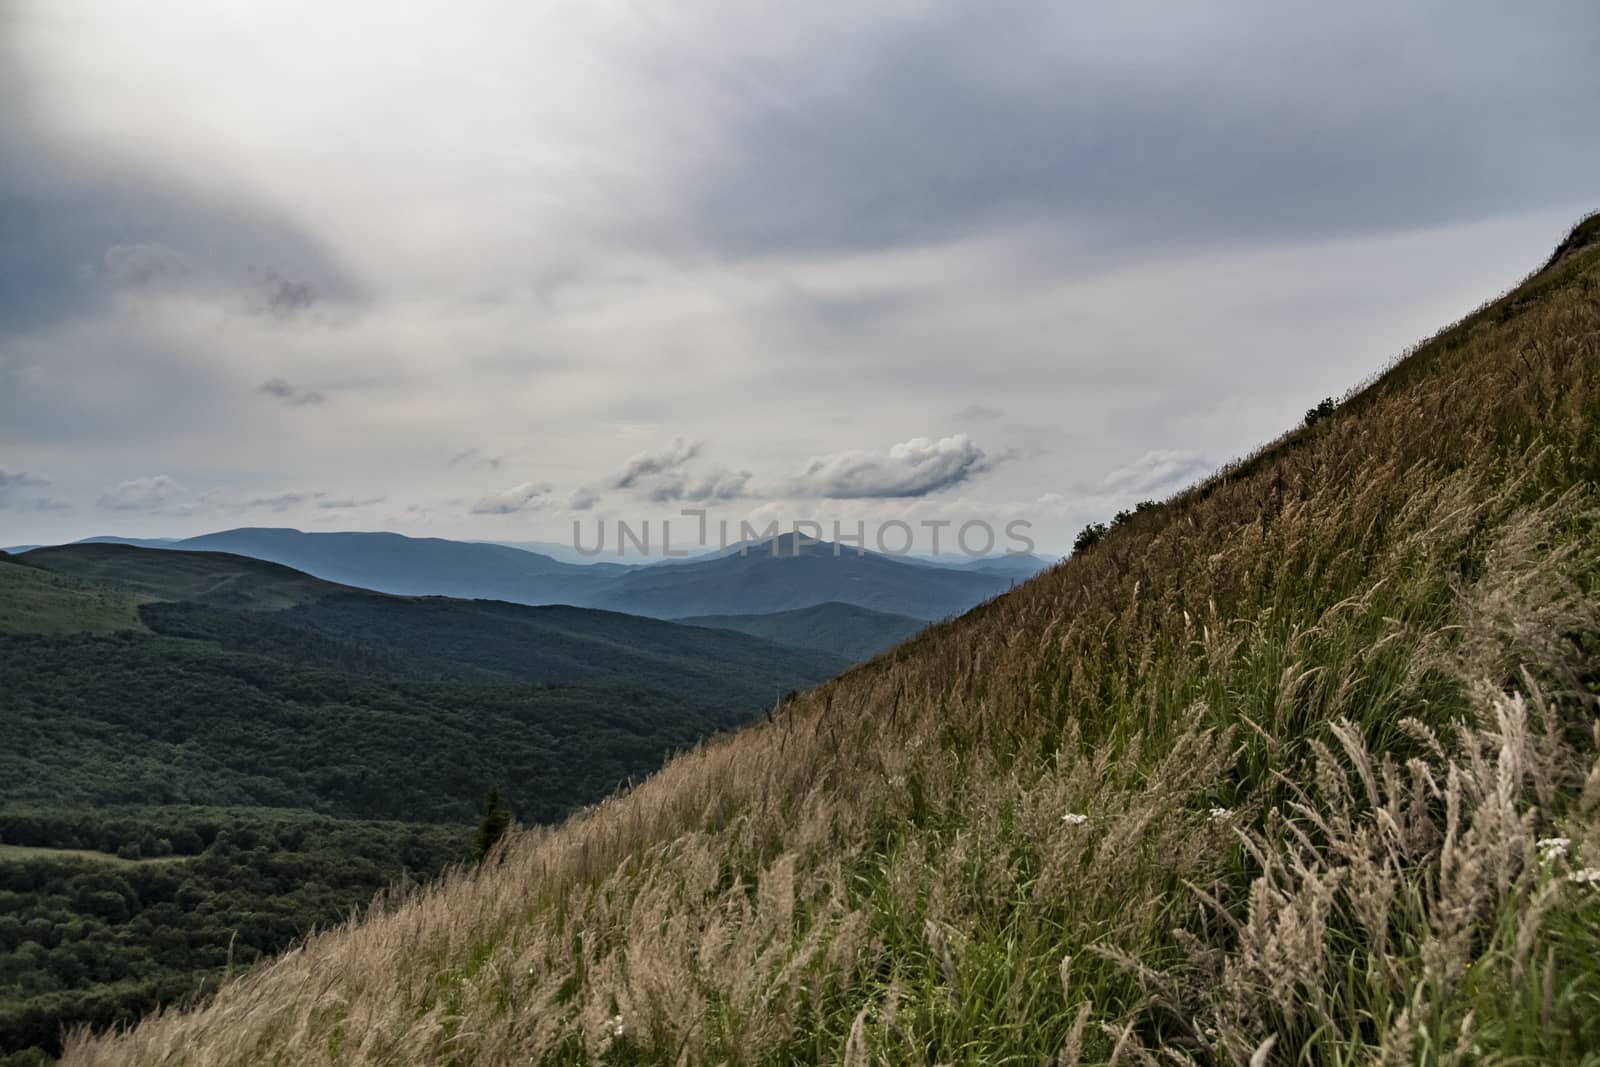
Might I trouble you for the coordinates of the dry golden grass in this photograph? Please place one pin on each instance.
(1315, 716)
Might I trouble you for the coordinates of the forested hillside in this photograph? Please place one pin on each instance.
(200, 751)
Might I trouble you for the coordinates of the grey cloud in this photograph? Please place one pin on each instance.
(582, 499)
(652, 464)
(289, 393)
(475, 457)
(12, 498)
(153, 493)
(529, 496)
(913, 468)
(719, 483)
(20, 479)
(281, 297)
(279, 501)
(663, 476)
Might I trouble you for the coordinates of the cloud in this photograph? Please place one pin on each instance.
(20, 480)
(662, 475)
(720, 483)
(582, 499)
(475, 457)
(978, 413)
(649, 465)
(912, 468)
(154, 493)
(1157, 473)
(12, 483)
(529, 496)
(349, 502)
(227, 499)
(280, 297)
(290, 394)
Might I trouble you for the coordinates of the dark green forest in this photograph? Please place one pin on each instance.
(99, 942)
(186, 786)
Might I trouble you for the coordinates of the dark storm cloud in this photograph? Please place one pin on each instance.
(1190, 123)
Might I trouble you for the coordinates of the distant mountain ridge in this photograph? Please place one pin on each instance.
(740, 580)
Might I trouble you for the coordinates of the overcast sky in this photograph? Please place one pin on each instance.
(477, 269)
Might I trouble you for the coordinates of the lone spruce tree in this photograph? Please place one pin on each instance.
(492, 827)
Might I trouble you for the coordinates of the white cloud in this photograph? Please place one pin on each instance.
(912, 468)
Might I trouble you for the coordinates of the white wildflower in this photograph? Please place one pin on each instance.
(1589, 875)
(1553, 848)
(1220, 814)
(1074, 819)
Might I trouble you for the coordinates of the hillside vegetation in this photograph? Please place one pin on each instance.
(213, 578)
(268, 736)
(1299, 767)
(33, 600)
(842, 629)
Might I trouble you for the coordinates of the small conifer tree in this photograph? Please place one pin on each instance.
(492, 827)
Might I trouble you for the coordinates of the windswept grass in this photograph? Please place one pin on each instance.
(1261, 778)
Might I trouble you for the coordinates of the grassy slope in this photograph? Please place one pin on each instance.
(23, 853)
(39, 602)
(1309, 720)
(213, 578)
